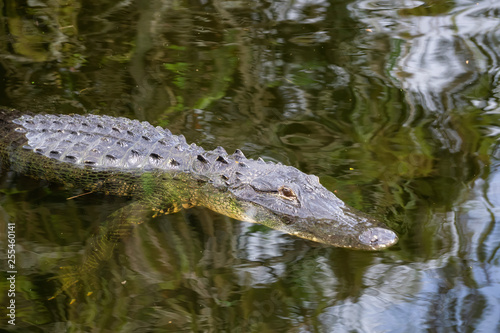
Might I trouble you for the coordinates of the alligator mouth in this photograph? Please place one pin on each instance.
(373, 239)
(347, 228)
(364, 234)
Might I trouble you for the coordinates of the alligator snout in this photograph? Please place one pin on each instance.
(378, 238)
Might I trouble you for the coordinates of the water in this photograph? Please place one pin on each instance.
(393, 104)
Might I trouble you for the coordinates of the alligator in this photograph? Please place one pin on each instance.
(163, 174)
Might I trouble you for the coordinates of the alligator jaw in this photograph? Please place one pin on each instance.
(371, 239)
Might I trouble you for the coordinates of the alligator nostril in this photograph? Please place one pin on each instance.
(378, 238)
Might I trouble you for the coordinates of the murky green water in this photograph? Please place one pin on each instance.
(393, 104)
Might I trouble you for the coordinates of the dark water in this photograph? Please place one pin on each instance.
(393, 104)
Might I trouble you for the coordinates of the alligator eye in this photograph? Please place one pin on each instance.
(287, 193)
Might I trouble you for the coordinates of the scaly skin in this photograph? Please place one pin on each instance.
(119, 156)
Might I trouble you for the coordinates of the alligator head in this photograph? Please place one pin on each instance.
(284, 198)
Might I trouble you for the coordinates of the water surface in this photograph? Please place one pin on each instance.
(393, 104)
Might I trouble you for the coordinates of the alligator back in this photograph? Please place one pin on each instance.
(103, 142)
(97, 153)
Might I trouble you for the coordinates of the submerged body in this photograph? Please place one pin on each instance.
(163, 173)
